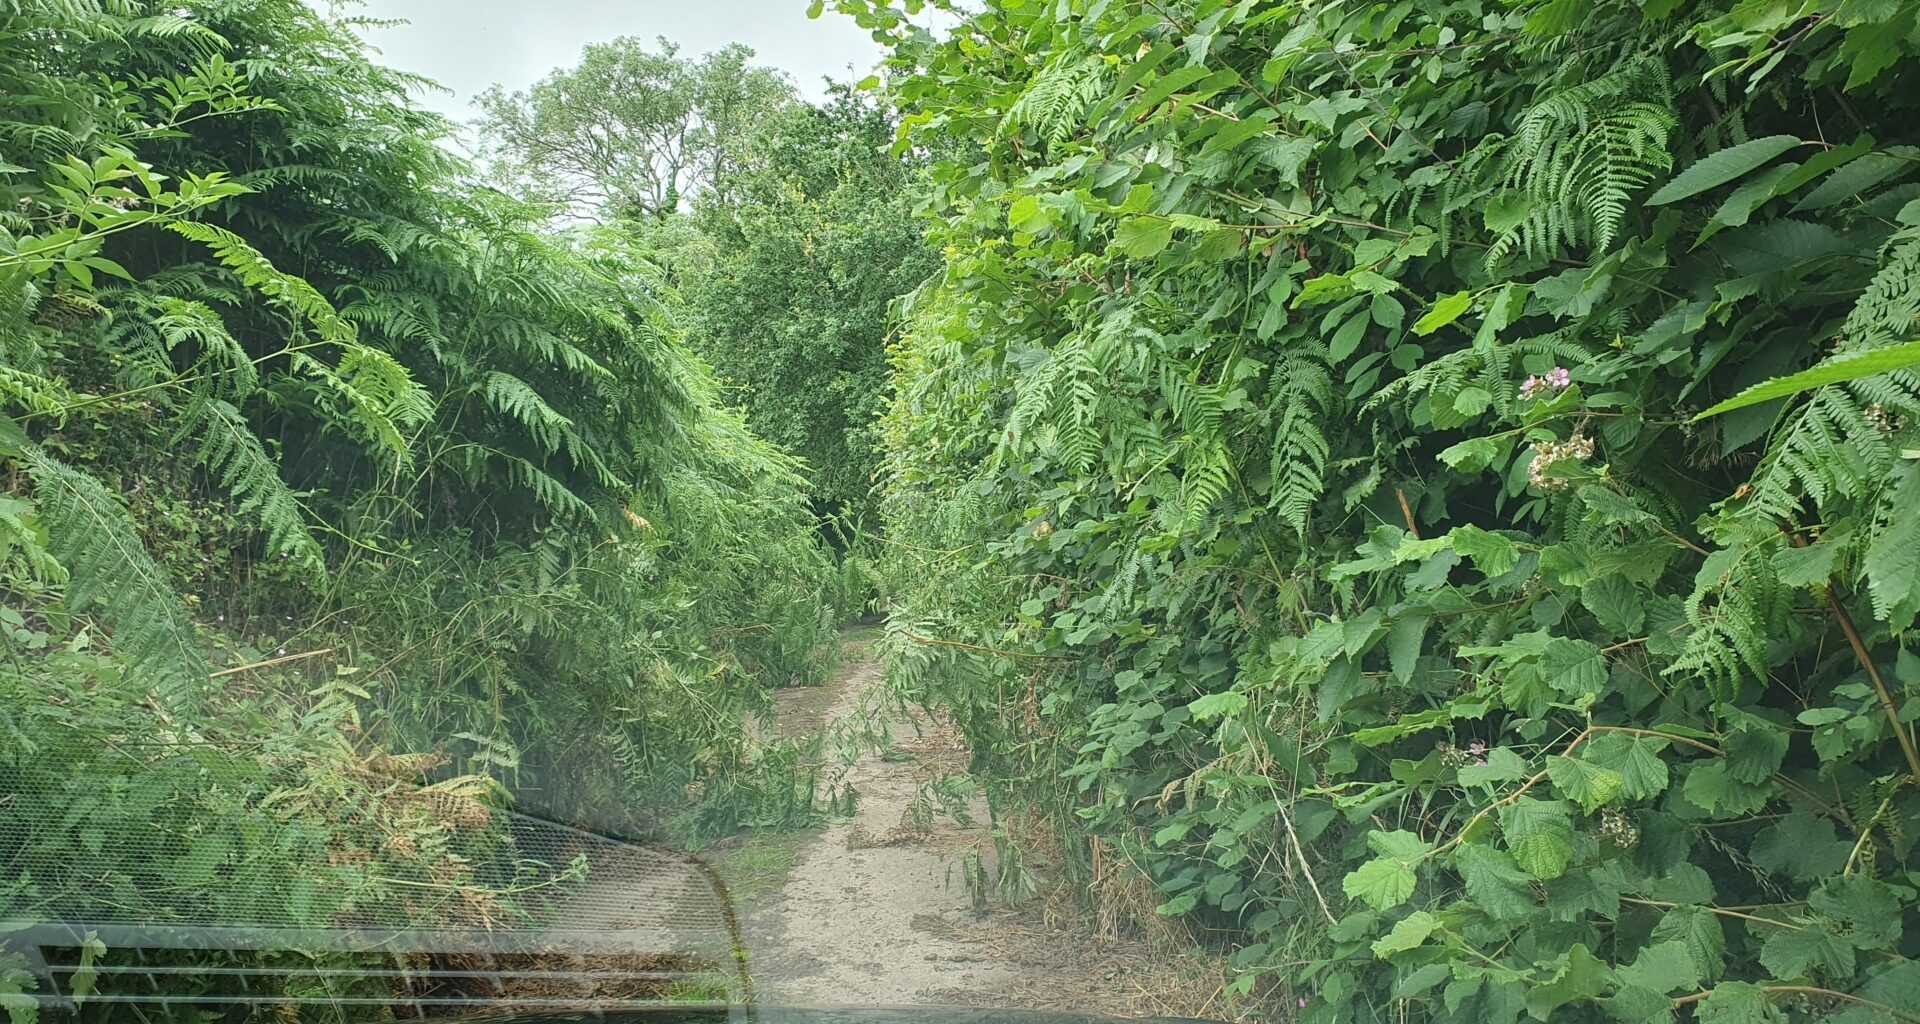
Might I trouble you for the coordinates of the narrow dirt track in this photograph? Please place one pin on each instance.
(877, 914)
(859, 923)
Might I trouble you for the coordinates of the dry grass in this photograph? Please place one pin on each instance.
(583, 981)
(1098, 949)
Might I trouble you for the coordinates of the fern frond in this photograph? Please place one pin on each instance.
(108, 568)
(1300, 398)
(1888, 309)
(1580, 154)
(258, 273)
(1738, 604)
(20, 531)
(268, 177)
(514, 397)
(1059, 97)
(172, 26)
(1204, 480)
(550, 492)
(32, 392)
(229, 449)
(147, 330)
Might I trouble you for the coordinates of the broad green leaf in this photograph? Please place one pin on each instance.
(1472, 401)
(13, 438)
(1867, 908)
(1490, 553)
(1219, 245)
(1632, 1004)
(1799, 952)
(1578, 976)
(1504, 213)
(1238, 132)
(1663, 967)
(1587, 784)
(1615, 604)
(1399, 844)
(1166, 85)
(1348, 337)
(1643, 774)
(1191, 222)
(1895, 984)
(1403, 643)
(1755, 750)
(1738, 1002)
(1322, 289)
(1502, 890)
(1178, 905)
(1217, 705)
(1711, 788)
(1539, 835)
(205, 854)
(1856, 177)
(1382, 883)
(1723, 166)
(1026, 215)
(1407, 933)
(1574, 668)
(1444, 312)
(1700, 932)
(1839, 369)
(1471, 455)
(1503, 765)
(1142, 237)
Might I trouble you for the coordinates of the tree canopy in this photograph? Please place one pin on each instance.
(629, 131)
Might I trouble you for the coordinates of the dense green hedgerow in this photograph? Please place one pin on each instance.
(1311, 396)
(314, 452)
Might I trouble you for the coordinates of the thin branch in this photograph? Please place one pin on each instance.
(1812, 990)
(936, 642)
(1873, 672)
(270, 662)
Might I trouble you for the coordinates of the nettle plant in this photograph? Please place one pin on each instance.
(1323, 397)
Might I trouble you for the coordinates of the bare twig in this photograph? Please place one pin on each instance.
(237, 669)
(936, 642)
(1812, 990)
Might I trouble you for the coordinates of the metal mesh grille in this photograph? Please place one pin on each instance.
(469, 905)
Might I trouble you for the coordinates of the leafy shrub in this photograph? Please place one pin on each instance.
(1311, 400)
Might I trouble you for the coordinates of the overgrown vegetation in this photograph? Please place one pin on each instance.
(326, 458)
(808, 251)
(1313, 395)
(1434, 486)
(787, 226)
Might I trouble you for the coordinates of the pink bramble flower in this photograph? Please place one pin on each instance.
(1556, 379)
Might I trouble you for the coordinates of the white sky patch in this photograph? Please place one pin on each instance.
(468, 45)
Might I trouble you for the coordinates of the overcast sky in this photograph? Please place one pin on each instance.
(467, 45)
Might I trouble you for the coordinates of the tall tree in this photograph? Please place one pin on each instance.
(809, 245)
(630, 132)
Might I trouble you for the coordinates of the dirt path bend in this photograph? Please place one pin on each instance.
(870, 915)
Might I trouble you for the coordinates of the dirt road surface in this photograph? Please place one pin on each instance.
(876, 912)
